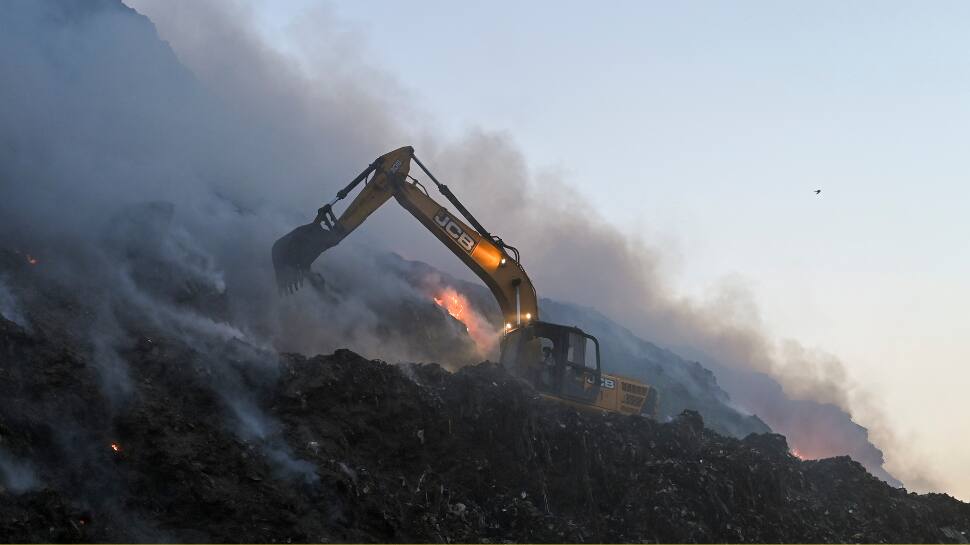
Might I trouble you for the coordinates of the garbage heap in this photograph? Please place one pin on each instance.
(341, 448)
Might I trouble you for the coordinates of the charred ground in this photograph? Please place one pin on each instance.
(219, 440)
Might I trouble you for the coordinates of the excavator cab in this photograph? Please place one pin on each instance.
(559, 361)
(563, 363)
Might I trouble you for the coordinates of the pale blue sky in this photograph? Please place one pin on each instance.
(705, 127)
(710, 124)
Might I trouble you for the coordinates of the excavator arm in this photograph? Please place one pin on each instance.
(496, 263)
(560, 361)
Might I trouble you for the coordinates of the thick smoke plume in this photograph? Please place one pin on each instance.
(573, 254)
(118, 158)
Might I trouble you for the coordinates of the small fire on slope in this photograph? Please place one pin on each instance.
(479, 329)
(31, 260)
(454, 303)
(797, 454)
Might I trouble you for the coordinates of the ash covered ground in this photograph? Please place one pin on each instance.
(215, 439)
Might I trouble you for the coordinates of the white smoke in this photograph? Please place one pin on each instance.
(102, 118)
(16, 476)
(9, 306)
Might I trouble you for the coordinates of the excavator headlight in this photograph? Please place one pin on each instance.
(528, 315)
(502, 262)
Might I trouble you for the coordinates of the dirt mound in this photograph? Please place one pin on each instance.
(340, 448)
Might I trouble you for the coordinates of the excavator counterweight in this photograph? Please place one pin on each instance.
(561, 362)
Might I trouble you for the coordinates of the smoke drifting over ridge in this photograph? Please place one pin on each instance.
(561, 238)
(249, 142)
(573, 254)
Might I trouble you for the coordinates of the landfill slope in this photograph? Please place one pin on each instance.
(341, 448)
(726, 397)
(143, 396)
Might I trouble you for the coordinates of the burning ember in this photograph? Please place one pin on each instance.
(478, 328)
(115, 447)
(794, 452)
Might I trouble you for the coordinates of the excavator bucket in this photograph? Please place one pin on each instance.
(294, 252)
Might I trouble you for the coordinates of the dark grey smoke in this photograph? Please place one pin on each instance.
(818, 430)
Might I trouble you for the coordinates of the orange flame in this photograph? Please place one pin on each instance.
(115, 447)
(454, 303)
(479, 329)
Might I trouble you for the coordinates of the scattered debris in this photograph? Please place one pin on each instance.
(498, 463)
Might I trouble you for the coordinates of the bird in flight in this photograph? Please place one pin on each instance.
(818, 191)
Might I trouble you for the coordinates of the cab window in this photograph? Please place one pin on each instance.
(581, 351)
(590, 358)
(572, 349)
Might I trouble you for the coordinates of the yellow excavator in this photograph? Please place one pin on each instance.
(561, 362)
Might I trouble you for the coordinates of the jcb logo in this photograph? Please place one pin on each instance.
(448, 225)
(607, 383)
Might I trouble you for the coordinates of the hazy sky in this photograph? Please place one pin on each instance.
(704, 128)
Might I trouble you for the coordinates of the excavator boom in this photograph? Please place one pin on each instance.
(486, 256)
(558, 360)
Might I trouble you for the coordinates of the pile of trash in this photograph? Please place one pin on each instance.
(144, 396)
(232, 442)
